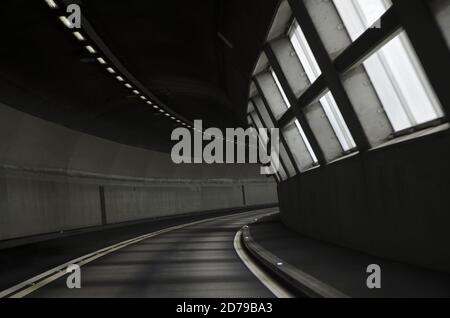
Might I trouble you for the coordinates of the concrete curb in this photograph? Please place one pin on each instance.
(299, 282)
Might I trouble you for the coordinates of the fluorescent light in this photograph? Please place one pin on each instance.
(120, 78)
(143, 97)
(65, 21)
(90, 49)
(155, 107)
(161, 110)
(101, 60)
(79, 36)
(111, 70)
(128, 85)
(149, 102)
(51, 4)
(136, 92)
(168, 115)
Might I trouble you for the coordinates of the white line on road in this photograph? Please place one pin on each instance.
(27, 287)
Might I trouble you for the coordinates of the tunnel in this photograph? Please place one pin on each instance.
(231, 156)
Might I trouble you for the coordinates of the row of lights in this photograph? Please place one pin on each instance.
(79, 36)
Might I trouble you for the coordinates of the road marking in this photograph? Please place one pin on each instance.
(278, 290)
(27, 287)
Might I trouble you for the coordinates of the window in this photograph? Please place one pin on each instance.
(267, 122)
(328, 103)
(297, 124)
(394, 70)
(277, 162)
(359, 15)
(382, 83)
(304, 52)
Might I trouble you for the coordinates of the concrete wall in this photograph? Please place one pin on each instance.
(255, 191)
(54, 179)
(37, 204)
(129, 203)
(392, 202)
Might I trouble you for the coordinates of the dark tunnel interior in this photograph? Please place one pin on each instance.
(258, 150)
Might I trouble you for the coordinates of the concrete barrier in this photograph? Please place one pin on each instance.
(55, 179)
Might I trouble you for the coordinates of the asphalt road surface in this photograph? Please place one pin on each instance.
(197, 261)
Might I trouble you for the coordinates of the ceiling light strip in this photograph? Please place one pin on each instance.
(79, 36)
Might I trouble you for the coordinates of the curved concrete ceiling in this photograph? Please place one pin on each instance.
(195, 56)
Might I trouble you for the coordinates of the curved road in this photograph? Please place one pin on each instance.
(197, 261)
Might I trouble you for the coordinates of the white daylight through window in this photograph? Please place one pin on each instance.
(394, 70)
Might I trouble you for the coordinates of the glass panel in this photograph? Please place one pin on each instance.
(304, 52)
(322, 129)
(265, 141)
(394, 70)
(297, 123)
(359, 15)
(298, 148)
(313, 71)
(337, 122)
(266, 120)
